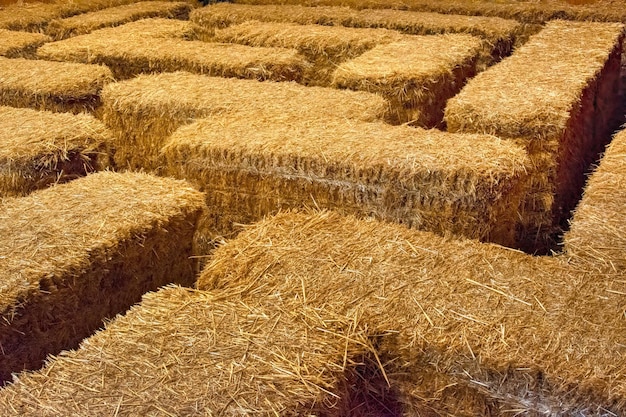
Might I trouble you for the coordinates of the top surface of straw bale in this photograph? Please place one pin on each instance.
(156, 27)
(85, 23)
(63, 79)
(12, 41)
(598, 229)
(418, 58)
(532, 92)
(186, 352)
(404, 150)
(489, 316)
(172, 93)
(27, 134)
(59, 229)
(29, 16)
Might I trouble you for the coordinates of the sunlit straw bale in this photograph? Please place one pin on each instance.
(417, 74)
(29, 17)
(558, 95)
(41, 148)
(144, 111)
(80, 252)
(14, 44)
(54, 86)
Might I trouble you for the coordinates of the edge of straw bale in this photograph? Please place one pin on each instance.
(15, 44)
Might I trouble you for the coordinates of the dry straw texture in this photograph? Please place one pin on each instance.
(533, 11)
(54, 86)
(115, 16)
(598, 232)
(498, 331)
(557, 94)
(144, 111)
(417, 74)
(129, 54)
(14, 44)
(192, 353)
(251, 166)
(29, 17)
(326, 47)
(77, 253)
(41, 148)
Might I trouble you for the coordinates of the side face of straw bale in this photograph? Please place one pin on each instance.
(597, 234)
(144, 111)
(53, 86)
(14, 44)
(115, 16)
(84, 251)
(252, 166)
(456, 319)
(38, 149)
(227, 357)
(558, 95)
(417, 75)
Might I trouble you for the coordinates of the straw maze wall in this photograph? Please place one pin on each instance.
(316, 133)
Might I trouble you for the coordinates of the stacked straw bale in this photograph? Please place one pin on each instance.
(129, 54)
(187, 352)
(30, 17)
(251, 166)
(42, 148)
(499, 34)
(144, 111)
(598, 233)
(417, 74)
(77, 253)
(115, 16)
(558, 95)
(15, 44)
(54, 86)
(326, 47)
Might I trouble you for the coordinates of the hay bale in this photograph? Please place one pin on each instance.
(14, 44)
(144, 111)
(29, 17)
(597, 236)
(78, 253)
(42, 148)
(115, 16)
(54, 86)
(252, 166)
(558, 95)
(417, 75)
(186, 352)
(457, 321)
(326, 47)
(128, 56)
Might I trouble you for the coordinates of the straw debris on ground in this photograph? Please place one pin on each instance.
(417, 74)
(251, 165)
(80, 252)
(39, 148)
(15, 44)
(54, 86)
(559, 96)
(115, 16)
(144, 111)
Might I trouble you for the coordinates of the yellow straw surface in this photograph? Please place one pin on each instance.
(15, 44)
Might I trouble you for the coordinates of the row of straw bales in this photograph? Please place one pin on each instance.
(15, 44)
(80, 252)
(558, 96)
(42, 148)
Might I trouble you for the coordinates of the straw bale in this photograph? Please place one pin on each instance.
(597, 235)
(144, 111)
(77, 253)
(186, 352)
(558, 94)
(326, 47)
(251, 166)
(15, 44)
(54, 86)
(417, 75)
(29, 17)
(128, 56)
(156, 27)
(42, 148)
(456, 319)
(115, 16)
